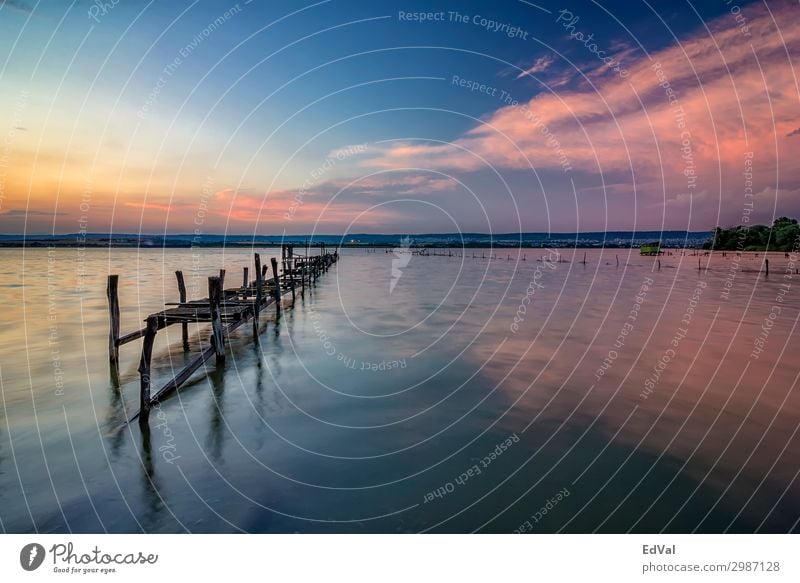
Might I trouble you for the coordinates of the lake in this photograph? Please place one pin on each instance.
(501, 391)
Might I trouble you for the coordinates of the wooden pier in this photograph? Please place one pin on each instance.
(225, 309)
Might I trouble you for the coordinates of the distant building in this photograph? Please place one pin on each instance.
(653, 248)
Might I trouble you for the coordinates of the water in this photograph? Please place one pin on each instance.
(425, 409)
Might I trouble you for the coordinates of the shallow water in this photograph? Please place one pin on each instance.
(427, 408)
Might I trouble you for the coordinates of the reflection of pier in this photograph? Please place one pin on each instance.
(225, 309)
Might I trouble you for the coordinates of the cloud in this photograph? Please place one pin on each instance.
(333, 203)
(541, 65)
(731, 95)
(30, 213)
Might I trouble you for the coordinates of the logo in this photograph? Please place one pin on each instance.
(402, 255)
(31, 556)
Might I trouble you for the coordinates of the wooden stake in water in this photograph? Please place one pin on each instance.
(144, 366)
(112, 291)
(182, 299)
(214, 301)
(257, 304)
(277, 281)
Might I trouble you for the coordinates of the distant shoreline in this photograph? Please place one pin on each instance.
(258, 244)
(533, 240)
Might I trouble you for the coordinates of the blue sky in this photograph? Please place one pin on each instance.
(143, 116)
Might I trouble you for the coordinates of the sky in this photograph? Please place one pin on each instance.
(341, 117)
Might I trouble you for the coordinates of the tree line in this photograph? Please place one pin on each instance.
(781, 236)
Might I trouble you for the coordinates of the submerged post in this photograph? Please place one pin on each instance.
(277, 281)
(766, 264)
(112, 292)
(214, 300)
(144, 366)
(245, 282)
(182, 297)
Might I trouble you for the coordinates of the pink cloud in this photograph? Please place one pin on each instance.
(733, 99)
(539, 66)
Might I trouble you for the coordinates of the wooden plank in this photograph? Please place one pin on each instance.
(112, 293)
(132, 336)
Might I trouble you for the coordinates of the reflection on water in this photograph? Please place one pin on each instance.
(450, 395)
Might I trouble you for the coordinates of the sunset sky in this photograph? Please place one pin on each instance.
(347, 116)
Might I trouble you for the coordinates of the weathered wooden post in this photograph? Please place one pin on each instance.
(222, 278)
(182, 299)
(290, 271)
(144, 366)
(264, 271)
(112, 292)
(257, 304)
(766, 264)
(214, 300)
(302, 277)
(277, 281)
(245, 281)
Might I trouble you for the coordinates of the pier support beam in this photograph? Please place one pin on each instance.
(112, 292)
(276, 279)
(182, 299)
(257, 305)
(290, 271)
(214, 301)
(144, 366)
(245, 282)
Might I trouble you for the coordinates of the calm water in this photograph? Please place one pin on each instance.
(425, 409)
